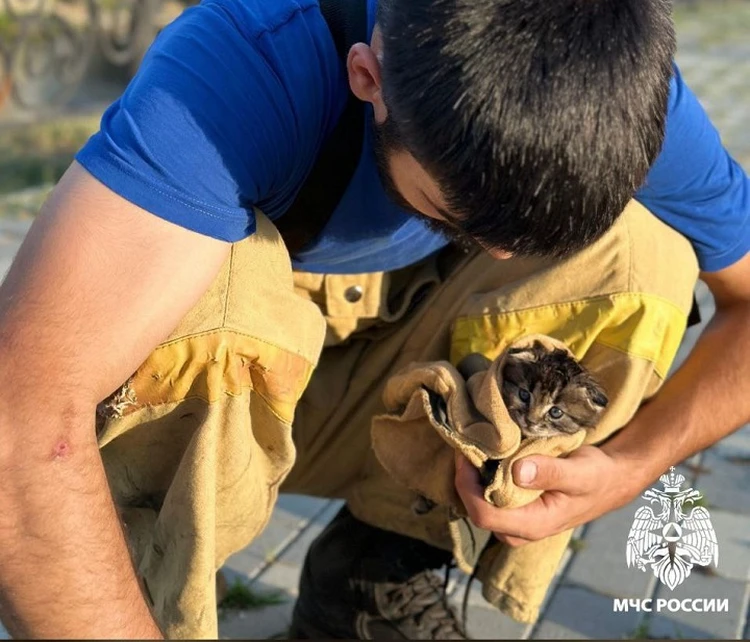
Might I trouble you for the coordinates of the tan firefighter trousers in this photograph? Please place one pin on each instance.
(271, 382)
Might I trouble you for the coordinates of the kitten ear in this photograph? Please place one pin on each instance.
(523, 354)
(596, 394)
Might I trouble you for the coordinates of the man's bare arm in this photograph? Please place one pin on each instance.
(96, 285)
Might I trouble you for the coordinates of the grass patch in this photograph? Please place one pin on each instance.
(39, 153)
(241, 597)
(640, 632)
(701, 501)
(576, 544)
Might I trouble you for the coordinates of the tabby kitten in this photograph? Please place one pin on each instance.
(547, 392)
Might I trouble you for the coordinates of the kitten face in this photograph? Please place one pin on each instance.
(549, 393)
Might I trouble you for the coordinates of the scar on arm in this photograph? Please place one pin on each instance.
(61, 450)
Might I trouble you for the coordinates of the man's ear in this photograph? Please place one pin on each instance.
(363, 66)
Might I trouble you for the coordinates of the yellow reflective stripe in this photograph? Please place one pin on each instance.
(642, 325)
(222, 362)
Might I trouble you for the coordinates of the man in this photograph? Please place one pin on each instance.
(525, 126)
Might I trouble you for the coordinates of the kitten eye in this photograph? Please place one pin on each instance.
(524, 395)
(555, 412)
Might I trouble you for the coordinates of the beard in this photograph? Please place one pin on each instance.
(386, 140)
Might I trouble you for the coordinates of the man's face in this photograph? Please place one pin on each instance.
(410, 187)
(405, 181)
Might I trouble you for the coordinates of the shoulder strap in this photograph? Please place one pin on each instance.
(334, 168)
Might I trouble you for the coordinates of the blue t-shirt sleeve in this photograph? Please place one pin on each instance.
(226, 113)
(696, 187)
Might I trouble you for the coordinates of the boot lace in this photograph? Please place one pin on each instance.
(423, 599)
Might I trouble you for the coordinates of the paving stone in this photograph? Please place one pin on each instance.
(733, 534)
(600, 565)
(267, 545)
(690, 468)
(735, 447)
(243, 565)
(724, 480)
(282, 529)
(576, 541)
(501, 624)
(277, 575)
(280, 576)
(302, 506)
(701, 625)
(290, 553)
(4, 267)
(576, 613)
(270, 622)
(484, 621)
(295, 553)
(490, 624)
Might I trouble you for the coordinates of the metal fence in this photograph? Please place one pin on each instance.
(48, 46)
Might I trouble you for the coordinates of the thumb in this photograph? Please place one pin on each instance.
(549, 473)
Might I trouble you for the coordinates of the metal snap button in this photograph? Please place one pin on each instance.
(353, 293)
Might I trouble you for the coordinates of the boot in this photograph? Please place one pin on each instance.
(366, 583)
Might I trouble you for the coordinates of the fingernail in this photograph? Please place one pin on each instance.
(527, 473)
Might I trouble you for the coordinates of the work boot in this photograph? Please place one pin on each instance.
(366, 583)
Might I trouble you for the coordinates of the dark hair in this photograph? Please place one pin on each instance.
(539, 119)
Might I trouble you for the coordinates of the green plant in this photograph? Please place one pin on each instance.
(640, 632)
(241, 596)
(10, 28)
(701, 501)
(40, 153)
(576, 544)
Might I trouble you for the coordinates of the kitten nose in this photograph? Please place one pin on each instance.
(536, 417)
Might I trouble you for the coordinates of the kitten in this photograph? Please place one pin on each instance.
(547, 393)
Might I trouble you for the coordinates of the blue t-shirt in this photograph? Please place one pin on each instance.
(235, 99)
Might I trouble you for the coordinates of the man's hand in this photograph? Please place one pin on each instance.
(578, 488)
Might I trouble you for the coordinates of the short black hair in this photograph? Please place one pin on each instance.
(539, 119)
